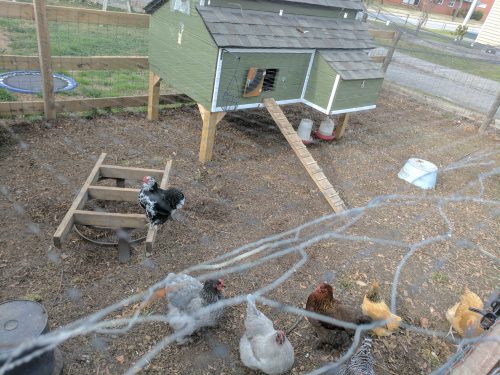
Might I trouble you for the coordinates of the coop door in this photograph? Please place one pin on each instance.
(255, 81)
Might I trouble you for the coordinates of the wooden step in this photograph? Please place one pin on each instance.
(305, 156)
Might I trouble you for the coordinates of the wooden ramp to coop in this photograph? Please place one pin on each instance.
(77, 215)
(305, 156)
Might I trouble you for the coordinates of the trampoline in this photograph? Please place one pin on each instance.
(30, 82)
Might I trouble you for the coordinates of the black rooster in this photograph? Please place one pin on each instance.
(159, 204)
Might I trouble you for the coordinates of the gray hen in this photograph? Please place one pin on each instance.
(187, 299)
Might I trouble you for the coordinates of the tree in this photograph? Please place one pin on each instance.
(455, 11)
(425, 7)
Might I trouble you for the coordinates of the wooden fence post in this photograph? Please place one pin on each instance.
(154, 96)
(491, 113)
(391, 50)
(42, 34)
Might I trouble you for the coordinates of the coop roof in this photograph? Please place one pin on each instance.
(352, 64)
(256, 29)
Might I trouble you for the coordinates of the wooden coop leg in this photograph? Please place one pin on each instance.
(341, 125)
(153, 97)
(210, 121)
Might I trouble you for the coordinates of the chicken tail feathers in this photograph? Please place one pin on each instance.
(251, 308)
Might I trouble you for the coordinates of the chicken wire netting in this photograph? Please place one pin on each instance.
(437, 241)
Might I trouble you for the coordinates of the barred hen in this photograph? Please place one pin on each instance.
(361, 362)
(159, 203)
(375, 307)
(321, 301)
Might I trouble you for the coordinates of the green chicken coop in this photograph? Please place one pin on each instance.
(232, 54)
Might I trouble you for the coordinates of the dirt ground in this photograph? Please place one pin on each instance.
(255, 187)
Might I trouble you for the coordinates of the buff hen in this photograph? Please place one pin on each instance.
(375, 307)
(467, 323)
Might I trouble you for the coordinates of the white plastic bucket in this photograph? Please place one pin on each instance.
(419, 172)
(326, 127)
(304, 130)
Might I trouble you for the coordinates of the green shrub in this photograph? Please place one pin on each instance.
(477, 15)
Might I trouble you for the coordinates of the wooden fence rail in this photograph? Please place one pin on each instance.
(79, 105)
(11, 9)
(15, 62)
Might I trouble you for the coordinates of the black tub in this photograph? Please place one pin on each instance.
(22, 320)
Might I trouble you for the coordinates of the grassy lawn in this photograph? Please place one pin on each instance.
(106, 83)
(464, 64)
(70, 39)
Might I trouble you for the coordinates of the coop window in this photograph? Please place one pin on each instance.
(180, 6)
(269, 79)
(451, 3)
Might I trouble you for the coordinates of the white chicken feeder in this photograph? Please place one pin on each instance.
(325, 131)
(304, 131)
(419, 172)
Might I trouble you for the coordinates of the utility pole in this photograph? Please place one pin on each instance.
(469, 13)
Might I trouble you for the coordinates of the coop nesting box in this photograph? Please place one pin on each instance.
(229, 55)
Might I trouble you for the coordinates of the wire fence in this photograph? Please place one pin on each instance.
(430, 61)
(413, 242)
(288, 252)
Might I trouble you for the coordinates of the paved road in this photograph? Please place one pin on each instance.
(430, 24)
(466, 90)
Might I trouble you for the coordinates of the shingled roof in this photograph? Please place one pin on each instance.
(352, 64)
(256, 29)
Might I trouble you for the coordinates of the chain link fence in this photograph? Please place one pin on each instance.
(432, 63)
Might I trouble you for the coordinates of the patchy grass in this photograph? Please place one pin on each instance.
(6, 96)
(345, 283)
(33, 297)
(440, 277)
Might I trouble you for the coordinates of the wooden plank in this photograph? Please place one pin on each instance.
(79, 105)
(150, 238)
(153, 97)
(129, 173)
(18, 62)
(383, 34)
(378, 59)
(341, 125)
(12, 9)
(305, 157)
(107, 193)
(483, 357)
(109, 220)
(68, 220)
(43, 41)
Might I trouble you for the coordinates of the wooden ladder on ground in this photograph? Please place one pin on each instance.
(77, 215)
(305, 156)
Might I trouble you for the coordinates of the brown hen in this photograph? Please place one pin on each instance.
(321, 301)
